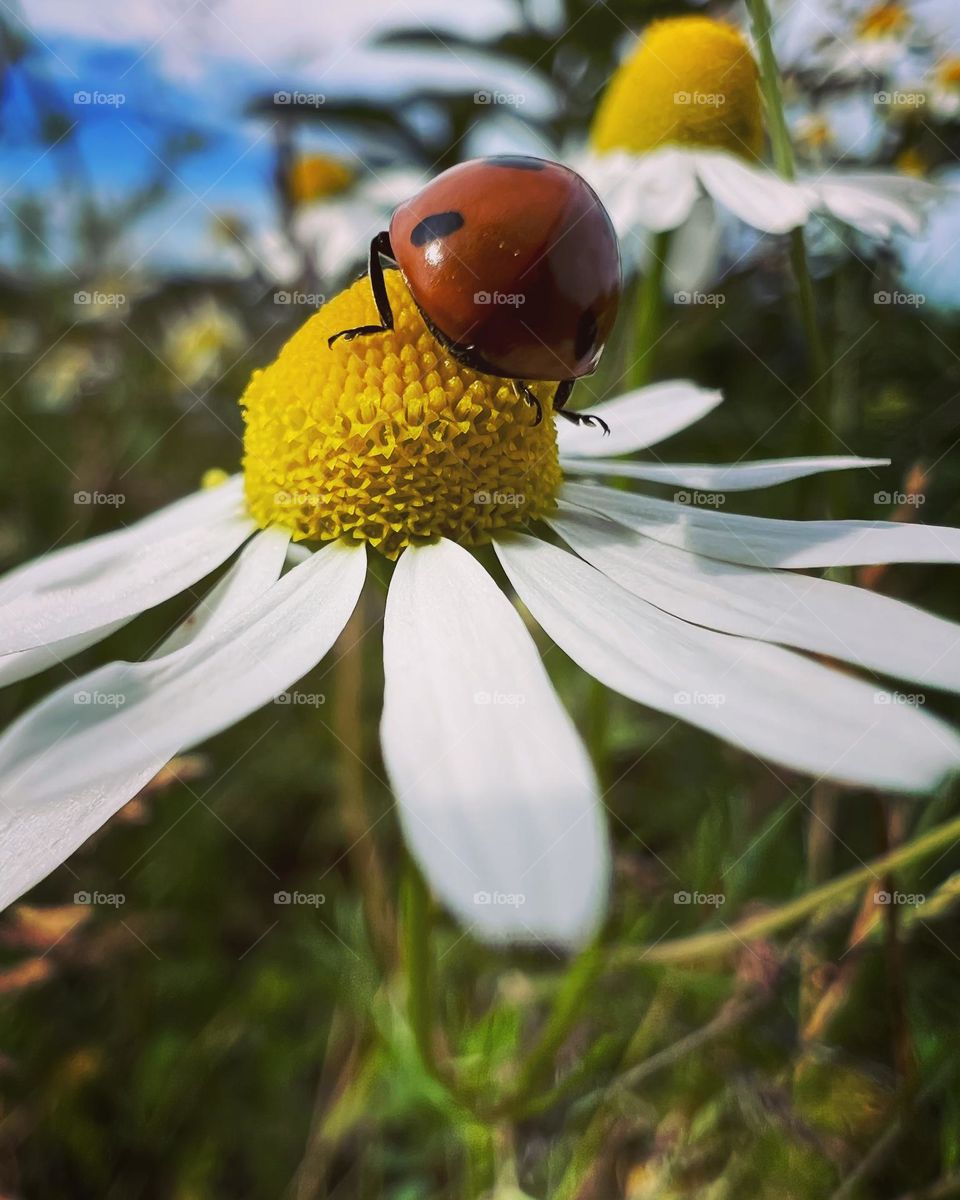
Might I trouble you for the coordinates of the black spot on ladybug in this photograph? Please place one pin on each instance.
(518, 161)
(586, 335)
(436, 226)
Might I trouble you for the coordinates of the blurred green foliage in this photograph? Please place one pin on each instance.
(203, 1041)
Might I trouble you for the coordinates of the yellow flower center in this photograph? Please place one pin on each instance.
(691, 81)
(388, 439)
(948, 73)
(883, 21)
(912, 161)
(316, 176)
(815, 134)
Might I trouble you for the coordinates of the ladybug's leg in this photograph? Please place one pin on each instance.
(526, 394)
(379, 246)
(560, 398)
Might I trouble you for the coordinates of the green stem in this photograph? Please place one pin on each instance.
(717, 942)
(576, 984)
(418, 965)
(650, 311)
(770, 86)
(420, 978)
(598, 718)
(821, 437)
(354, 812)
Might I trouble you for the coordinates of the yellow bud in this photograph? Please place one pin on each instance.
(690, 81)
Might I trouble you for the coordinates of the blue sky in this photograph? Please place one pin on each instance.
(155, 68)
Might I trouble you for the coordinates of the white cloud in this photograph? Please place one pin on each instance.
(287, 35)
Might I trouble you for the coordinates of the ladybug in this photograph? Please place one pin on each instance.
(515, 267)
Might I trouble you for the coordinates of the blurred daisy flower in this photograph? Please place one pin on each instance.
(70, 370)
(944, 89)
(682, 116)
(928, 265)
(334, 209)
(334, 229)
(877, 42)
(389, 444)
(201, 343)
(312, 177)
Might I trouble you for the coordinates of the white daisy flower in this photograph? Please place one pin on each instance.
(336, 229)
(682, 118)
(334, 207)
(391, 444)
(944, 89)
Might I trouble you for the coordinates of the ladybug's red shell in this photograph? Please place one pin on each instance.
(514, 263)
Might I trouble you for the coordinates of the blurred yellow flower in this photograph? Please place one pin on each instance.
(884, 20)
(316, 176)
(690, 81)
(945, 88)
(912, 162)
(200, 344)
(67, 372)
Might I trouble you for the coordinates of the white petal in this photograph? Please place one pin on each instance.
(257, 569)
(654, 191)
(497, 796)
(694, 252)
(126, 714)
(770, 701)
(722, 477)
(59, 566)
(843, 622)
(638, 419)
(110, 579)
(766, 542)
(754, 194)
(877, 204)
(21, 665)
(24, 663)
(35, 838)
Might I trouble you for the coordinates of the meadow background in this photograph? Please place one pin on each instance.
(190, 1036)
